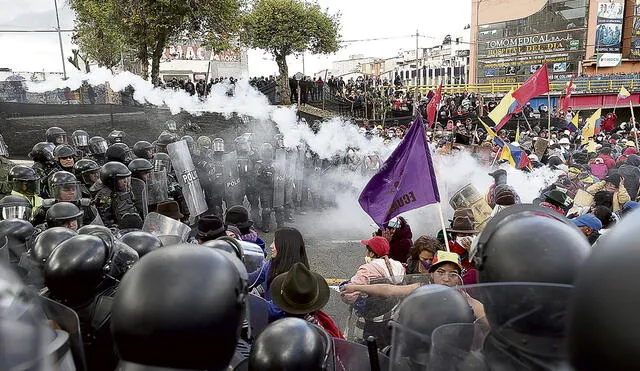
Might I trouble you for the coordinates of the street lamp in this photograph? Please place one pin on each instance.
(64, 68)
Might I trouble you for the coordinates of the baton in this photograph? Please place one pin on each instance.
(372, 346)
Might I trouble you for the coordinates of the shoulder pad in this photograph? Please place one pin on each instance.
(85, 202)
(48, 202)
(102, 312)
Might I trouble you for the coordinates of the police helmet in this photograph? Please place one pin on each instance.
(204, 142)
(279, 140)
(266, 152)
(218, 145)
(56, 135)
(119, 152)
(24, 180)
(165, 139)
(189, 139)
(80, 138)
(142, 242)
(242, 144)
(602, 315)
(87, 171)
(143, 149)
(64, 214)
(139, 165)
(171, 125)
(116, 136)
(161, 162)
(64, 186)
(15, 207)
(111, 172)
(42, 152)
(97, 146)
(291, 344)
(76, 268)
(179, 333)
(48, 240)
(17, 232)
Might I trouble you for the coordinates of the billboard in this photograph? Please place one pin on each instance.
(199, 53)
(635, 32)
(609, 26)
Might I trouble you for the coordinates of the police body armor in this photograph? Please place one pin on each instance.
(247, 172)
(234, 188)
(187, 178)
(216, 174)
(265, 184)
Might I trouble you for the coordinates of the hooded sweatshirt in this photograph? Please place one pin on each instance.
(400, 244)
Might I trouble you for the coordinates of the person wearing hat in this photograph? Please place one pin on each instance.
(463, 231)
(209, 228)
(612, 183)
(445, 270)
(588, 224)
(555, 200)
(238, 216)
(302, 293)
(170, 209)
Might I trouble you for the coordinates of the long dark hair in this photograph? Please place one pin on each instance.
(290, 247)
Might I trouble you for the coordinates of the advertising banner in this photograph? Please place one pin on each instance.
(609, 26)
(635, 32)
(609, 59)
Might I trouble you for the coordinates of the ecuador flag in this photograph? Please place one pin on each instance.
(515, 156)
(624, 93)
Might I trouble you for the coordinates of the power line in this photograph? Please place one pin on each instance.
(34, 31)
(386, 38)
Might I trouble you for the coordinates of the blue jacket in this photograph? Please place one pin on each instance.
(259, 277)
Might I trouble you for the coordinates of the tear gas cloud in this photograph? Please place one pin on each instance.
(335, 136)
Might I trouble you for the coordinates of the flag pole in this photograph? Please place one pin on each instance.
(548, 104)
(616, 105)
(444, 227)
(633, 117)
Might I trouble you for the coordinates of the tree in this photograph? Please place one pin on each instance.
(107, 28)
(285, 27)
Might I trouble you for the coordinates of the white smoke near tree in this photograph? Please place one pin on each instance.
(335, 136)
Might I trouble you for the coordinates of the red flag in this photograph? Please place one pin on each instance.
(564, 102)
(432, 106)
(536, 85)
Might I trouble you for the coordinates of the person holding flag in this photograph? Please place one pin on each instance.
(590, 127)
(514, 155)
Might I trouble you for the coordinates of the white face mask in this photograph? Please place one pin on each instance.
(461, 240)
(368, 259)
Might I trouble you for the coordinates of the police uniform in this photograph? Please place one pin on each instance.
(5, 166)
(112, 206)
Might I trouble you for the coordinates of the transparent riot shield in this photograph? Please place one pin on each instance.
(253, 256)
(187, 177)
(4, 250)
(475, 326)
(352, 356)
(168, 230)
(157, 187)
(141, 198)
(279, 178)
(233, 188)
(66, 319)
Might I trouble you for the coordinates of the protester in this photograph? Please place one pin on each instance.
(398, 233)
(422, 254)
(611, 184)
(589, 224)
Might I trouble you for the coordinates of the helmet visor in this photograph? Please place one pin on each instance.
(89, 177)
(161, 165)
(98, 147)
(80, 140)
(67, 192)
(218, 146)
(16, 212)
(60, 139)
(27, 187)
(123, 184)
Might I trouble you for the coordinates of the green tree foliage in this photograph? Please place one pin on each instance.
(107, 28)
(285, 27)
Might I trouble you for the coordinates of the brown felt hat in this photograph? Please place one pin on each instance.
(169, 209)
(462, 224)
(299, 291)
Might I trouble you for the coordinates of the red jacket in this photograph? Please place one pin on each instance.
(327, 324)
(462, 252)
(608, 160)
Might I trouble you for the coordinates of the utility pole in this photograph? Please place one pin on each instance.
(415, 95)
(64, 68)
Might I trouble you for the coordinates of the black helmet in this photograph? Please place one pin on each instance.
(15, 207)
(116, 136)
(111, 172)
(56, 135)
(291, 344)
(190, 141)
(139, 165)
(17, 232)
(97, 146)
(278, 139)
(242, 144)
(80, 138)
(164, 140)
(266, 152)
(63, 186)
(218, 145)
(64, 214)
(171, 125)
(161, 161)
(179, 333)
(87, 171)
(602, 313)
(142, 242)
(119, 152)
(96, 230)
(24, 180)
(76, 268)
(63, 151)
(48, 240)
(42, 152)
(143, 149)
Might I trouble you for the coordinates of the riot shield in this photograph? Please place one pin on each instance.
(470, 326)
(540, 147)
(187, 177)
(469, 198)
(168, 230)
(233, 187)
(259, 314)
(352, 356)
(4, 250)
(279, 178)
(141, 198)
(299, 175)
(66, 319)
(157, 187)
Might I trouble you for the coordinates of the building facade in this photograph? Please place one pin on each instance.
(194, 62)
(511, 39)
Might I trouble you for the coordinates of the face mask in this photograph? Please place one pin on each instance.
(461, 240)
(425, 265)
(368, 259)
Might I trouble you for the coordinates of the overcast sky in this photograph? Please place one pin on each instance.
(360, 20)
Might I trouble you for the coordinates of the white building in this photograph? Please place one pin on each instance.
(194, 62)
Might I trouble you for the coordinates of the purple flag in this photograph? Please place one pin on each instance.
(406, 181)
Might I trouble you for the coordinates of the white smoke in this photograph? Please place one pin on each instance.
(335, 136)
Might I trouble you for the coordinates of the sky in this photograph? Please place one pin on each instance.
(360, 20)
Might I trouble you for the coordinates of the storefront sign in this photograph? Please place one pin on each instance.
(609, 26)
(609, 59)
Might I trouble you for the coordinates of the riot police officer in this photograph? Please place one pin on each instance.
(162, 163)
(5, 166)
(163, 141)
(119, 152)
(88, 172)
(204, 145)
(15, 207)
(143, 149)
(97, 148)
(116, 136)
(56, 136)
(25, 182)
(65, 187)
(285, 161)
(65, 157)
(140, 173)
(44, 163)
(77, 275)
(142, 242)
(115, 199)
(242, 175)
(216, 175)
(64, 214)
(80, 140)
(265, 184)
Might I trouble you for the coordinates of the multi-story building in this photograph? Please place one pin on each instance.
(511, 39)
(195, 62)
